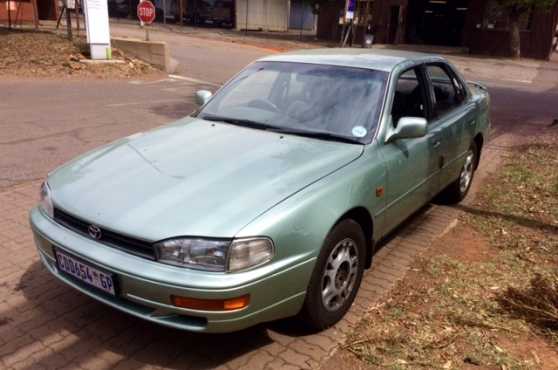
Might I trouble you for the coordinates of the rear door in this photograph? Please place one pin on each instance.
(453, 116)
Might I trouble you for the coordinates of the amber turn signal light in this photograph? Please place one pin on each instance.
(211, 304)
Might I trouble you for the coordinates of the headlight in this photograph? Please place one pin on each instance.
(46, 200)
(202, 254)
(248, 253)
(215, 254)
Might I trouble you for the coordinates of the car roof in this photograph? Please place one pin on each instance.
(378, 59)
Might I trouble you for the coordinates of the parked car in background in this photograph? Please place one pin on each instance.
(270, 199)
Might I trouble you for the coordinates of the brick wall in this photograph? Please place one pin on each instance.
(19, 11)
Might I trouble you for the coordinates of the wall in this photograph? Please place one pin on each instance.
(265, 15)
(155, 53)
(381, 20)
(535, 43)
(20, 11)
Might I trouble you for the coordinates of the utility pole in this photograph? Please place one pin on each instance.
(9, 15)
(68, 20)
(246, 28)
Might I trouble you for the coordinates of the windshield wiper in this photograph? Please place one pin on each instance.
(317, 135)
(238, 122)
(280, 130)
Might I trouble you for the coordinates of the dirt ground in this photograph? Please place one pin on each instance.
(39, 54)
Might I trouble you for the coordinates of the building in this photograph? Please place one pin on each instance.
(480, 26)
(17, 12)
(275, 15)
(28, 11)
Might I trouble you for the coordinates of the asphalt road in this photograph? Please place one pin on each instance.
(45, 123)
(208, 60)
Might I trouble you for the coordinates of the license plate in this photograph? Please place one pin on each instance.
(85, 272)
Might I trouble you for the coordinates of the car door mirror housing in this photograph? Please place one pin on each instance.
(203, 96)
(408, 128)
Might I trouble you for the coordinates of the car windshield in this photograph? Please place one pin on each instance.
(323, 101)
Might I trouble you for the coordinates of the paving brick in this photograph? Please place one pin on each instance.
(311, 350)
(294, 358)
(279, 364)
(258, 361)
(321, 341)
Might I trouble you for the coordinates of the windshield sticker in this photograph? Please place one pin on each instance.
(359, 131)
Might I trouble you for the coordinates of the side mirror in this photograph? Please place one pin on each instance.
(408, 128)
(203, 96)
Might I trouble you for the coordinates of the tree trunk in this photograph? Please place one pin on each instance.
(515, 34)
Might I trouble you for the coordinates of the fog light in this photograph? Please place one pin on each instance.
(211, 304)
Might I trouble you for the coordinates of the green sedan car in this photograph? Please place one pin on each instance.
(270, 199)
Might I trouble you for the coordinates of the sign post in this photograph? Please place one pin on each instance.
(98, 33)
(146, 15)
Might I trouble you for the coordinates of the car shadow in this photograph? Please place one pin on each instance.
(83, 330)
(80, 329)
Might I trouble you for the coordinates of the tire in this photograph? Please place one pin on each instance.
(333, 286)
(458, 189)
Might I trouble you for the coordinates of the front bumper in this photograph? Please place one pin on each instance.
(277, 290)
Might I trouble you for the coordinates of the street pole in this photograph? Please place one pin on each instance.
(68, 21)
(9, 15)
(246, 27)
(301, 21)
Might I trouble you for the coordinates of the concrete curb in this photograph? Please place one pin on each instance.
(155, 53)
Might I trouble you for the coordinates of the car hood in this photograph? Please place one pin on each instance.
(192, 177)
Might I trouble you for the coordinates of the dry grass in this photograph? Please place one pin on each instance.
(26, 53)
(537, 304)
(486, 294)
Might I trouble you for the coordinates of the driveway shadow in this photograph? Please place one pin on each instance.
(519, 220)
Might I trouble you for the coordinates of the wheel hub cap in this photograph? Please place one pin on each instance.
(339, 275)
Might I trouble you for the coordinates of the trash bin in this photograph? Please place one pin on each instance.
(367, 40)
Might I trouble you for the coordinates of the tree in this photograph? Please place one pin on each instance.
(515, 9)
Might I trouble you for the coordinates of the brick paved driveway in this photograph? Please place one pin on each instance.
(44, 324)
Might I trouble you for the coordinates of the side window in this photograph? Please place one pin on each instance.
(409, 97)
(448, 92)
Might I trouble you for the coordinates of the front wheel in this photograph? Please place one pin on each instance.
(336, 277)
(457, 190)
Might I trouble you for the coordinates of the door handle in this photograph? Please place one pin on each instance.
(436, 144)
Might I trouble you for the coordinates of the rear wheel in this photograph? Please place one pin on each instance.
(457, 190)
(336, 277)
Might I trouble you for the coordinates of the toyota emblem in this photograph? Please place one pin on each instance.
(95, 232)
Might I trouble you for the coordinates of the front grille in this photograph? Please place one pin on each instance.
(131, 245)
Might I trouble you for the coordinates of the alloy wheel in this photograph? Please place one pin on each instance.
(467, 172)
(339, 276)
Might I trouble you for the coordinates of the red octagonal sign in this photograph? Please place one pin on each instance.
(146, 12)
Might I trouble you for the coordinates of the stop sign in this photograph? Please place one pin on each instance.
(146, 12)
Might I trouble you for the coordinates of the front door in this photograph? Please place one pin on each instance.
(412, 164)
